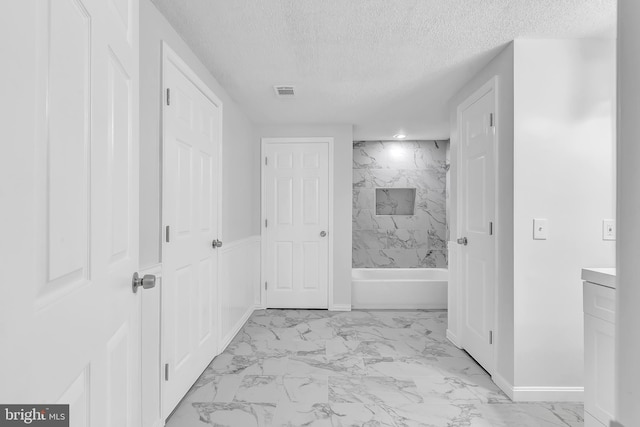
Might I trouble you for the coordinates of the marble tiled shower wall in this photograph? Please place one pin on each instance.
(400, 241)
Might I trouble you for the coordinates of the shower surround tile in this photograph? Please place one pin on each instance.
(400, 241)
(395, 201)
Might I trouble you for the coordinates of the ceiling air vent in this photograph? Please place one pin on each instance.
(284, 91)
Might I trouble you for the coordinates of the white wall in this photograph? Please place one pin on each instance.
(628, 292)
(240, 187)
(343, 197)
(556, 154)
(240, 151)
(564, 170)
(501, 66)
(239, 265)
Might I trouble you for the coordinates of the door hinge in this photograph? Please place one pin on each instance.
(266, 222)
(491, 120)
(168, 96)
(266, 286)
(490, 337)
(166, 372)
(266, 161)
(490, 228)
(167, 233)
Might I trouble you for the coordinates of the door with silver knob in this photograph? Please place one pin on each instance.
(475, 262)
(192, 127)
(296, 201)
(70, 328)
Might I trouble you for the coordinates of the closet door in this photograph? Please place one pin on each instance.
(70, 320)
(192, 134)
(477, 210)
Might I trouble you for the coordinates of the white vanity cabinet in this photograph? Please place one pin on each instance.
(599, 346)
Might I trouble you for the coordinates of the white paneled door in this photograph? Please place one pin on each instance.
(296, 209)
(477, 207)
(192, 123)
(72, 335)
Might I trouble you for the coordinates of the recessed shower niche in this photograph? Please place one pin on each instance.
(395, 201)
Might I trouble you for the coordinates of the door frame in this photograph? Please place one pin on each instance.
(490, 85)
(169, 56)
(263, 211)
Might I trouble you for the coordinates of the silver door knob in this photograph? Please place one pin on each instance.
(147, 282)
(216, 243)
(462, 241)
(323, 233)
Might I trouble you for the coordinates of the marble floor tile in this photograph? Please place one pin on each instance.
(224, 415)
(306, 389)
(447, 390)
(375, 390)
(376, 333)
(186, 415)
(260, 389)
(339, 346)
(405, 367)
(303, 414)
(388, 368)
(360, 414)
(214, 388)
(457, 365)
(533, 415)
(438, 415)
(249, 365)
(344, 364)
(483, 387)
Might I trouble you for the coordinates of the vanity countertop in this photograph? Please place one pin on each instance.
(601, 276)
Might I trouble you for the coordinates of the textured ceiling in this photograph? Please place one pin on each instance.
(381, 65)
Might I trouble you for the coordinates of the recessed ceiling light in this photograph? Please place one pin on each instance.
(399, 136)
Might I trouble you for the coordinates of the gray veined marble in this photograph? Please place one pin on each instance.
(359, 368)
(395, 201)
(392, 226)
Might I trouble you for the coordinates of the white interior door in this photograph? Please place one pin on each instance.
(296, 192)
(477, 196)
(192, 129)
(70, 331)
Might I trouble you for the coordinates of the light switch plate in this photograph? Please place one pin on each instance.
(608, 229)
(540, 229)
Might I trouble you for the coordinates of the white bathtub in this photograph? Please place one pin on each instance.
(399, 288)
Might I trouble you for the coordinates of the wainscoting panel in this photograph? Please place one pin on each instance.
(239, 279)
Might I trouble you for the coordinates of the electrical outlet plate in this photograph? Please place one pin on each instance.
(608, 229)
(540, 229)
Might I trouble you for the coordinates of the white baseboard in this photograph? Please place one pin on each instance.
(236, 328)
(539, 394)
(548, 394)
(503, 384)
(452, 337)
(340, 307)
